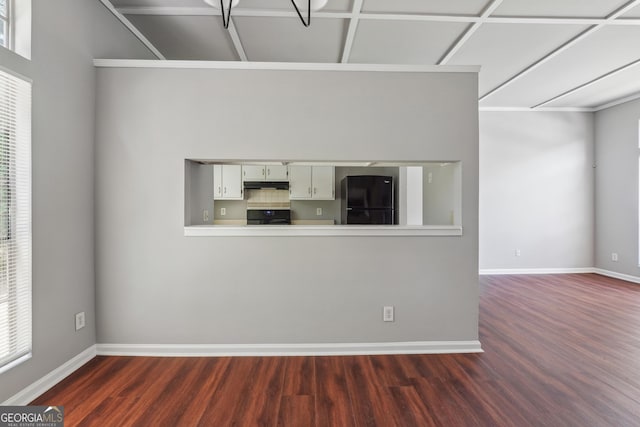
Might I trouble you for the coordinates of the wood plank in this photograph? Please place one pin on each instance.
(234, 382)
(559, 350)
(300, 377)
(371, 399)
(411, 407)
(297, 411)
(333, 403)
(260, 402)
(203, 391)
(158, 407)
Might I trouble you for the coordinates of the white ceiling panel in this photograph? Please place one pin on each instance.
(187, 37)
(633, 13)
(559, 8)
(609, 89)
(468, 7)
(159, 3)
(605, 50)
(287, 40)
(403, 42)
(502, 50)
(332, 5)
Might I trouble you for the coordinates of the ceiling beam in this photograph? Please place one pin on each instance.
(467, 35)
(207, 11)
(235, 39)
(611, 18)
(351, 32)
(133, 29)
(589, 83)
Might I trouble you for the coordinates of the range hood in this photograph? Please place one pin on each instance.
(257, 185)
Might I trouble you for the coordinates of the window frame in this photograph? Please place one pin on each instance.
(8, 25)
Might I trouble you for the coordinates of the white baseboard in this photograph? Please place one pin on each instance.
(31, 392)
(335, 349)
(615, 275)
(501, 271)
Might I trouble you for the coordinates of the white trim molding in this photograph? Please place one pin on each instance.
(515, 271)
(616, 275)
(321, 349)
(618, 102)
(539, 109)
(581, 270)
(286, 66)
(31, 392)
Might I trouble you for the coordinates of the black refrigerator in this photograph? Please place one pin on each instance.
(367, 199)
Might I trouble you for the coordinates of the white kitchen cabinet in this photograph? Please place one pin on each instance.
(311, 182)
(264, 173)
(299, 182)
(227, 182)
(323, 182)
(253, 172)
(276, 173)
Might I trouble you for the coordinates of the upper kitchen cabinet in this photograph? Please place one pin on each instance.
(312, 183)
(264, 173)
(227, 182)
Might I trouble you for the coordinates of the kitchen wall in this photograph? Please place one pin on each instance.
(66, 36)
(342, 172)
(617, 155)
(536, 190)
(440, 187)
(199, 186)
(439, 200)
(154, 285)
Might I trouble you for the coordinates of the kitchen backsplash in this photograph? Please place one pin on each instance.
(267, 198)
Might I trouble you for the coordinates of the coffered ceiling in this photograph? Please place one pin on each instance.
(543, 54)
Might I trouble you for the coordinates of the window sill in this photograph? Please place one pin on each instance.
(322, 230)
(15, 363)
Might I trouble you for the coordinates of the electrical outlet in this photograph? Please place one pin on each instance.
(223, 211)
(319, 211)
(205, 215)
(430, 177)
(80, 320)
(387, 313)
(614, 257)
(517, 252)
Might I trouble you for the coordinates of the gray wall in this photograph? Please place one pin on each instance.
(62, 162)
(536, 190)
(617, 156)
(156, 286)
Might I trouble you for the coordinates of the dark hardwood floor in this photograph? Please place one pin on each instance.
(560, 350)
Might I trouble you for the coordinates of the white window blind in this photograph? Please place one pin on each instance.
(15, 219)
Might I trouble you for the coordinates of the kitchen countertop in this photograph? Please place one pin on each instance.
(322, 230)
